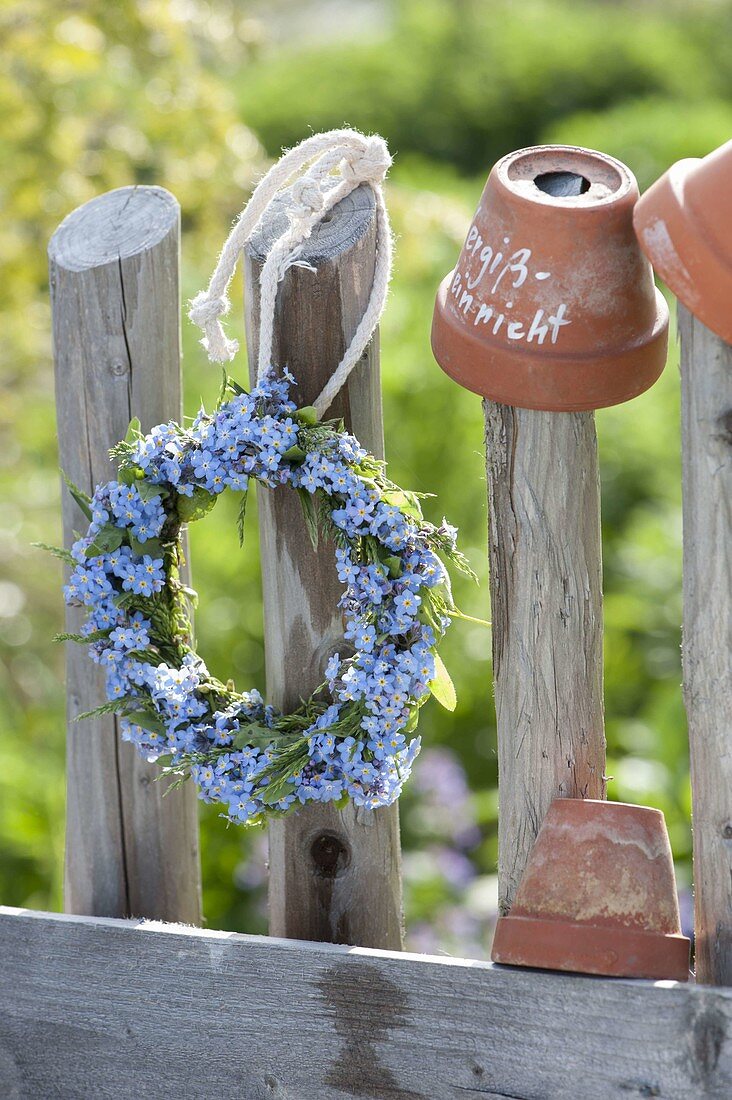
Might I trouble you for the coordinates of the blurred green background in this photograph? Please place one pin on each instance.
(196, 96)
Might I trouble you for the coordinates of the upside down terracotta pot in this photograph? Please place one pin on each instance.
(552, 303)
(598, 896)
(684, 225)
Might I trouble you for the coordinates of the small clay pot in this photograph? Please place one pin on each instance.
(552, 304)
(598, 896)
(684, 225)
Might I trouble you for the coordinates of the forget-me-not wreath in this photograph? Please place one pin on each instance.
(355, 737)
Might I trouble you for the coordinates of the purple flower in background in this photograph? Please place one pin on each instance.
(445, 796)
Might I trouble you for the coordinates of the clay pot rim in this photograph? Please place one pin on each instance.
(676, 177)
(612, 951)
(509, 171)
(690, 262)
(605, 802)
(678, 174)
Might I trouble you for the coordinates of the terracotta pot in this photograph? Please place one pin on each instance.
(684, 225)
(552, 304)
(598, 896)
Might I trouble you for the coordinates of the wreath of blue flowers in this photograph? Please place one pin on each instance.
(353, 737)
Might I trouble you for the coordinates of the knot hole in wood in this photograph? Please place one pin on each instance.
(330, 854)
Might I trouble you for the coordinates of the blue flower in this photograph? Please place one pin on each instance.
(333, 667)
(347, 571)
(379, 687)
(360, 510)
(362, 634)
(135, 635)
(237, 481)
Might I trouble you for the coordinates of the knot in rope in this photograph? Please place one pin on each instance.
(356, 159)
(367, 164)
(306, 198)
(205, 311)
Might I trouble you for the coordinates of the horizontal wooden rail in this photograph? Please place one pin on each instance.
(112, 1008)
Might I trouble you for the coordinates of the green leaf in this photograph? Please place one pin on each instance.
(235, 387)
(82, 499)
(148, 491)
(405, 501)
(94, 636)
(442, 686)
(195, 506)
(190, 593)
(124, 600)
(106, 540)
(294, 454)
(153, 547)
(147, 720)
(310, 514)
(165, 761)
(133, 431)
(222, 391)
(306, 415)
(272, 793)
(112, 707)
(241, 516)
(253, 734)
(57, 551)
(128, 474)
(147, 655)
(413, 721)
(394, 564)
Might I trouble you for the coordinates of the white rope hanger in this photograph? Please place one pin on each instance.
(339, 161)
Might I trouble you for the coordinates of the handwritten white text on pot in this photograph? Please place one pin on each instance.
(497, 265)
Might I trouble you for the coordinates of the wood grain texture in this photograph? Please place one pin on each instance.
(116, 333)
(116, 1009)
(706, 412)
(546, 602)
(334, 875)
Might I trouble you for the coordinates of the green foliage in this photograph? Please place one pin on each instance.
(465, 81)
(648, 133)
(241, 516)
(82, 499)
(196, 506)
(310, 516)
(92, 96)
(107, 539)
(442, 687)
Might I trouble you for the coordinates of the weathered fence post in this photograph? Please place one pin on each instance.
(334, 875)
(116, 331)
(546, 609)
(551, 246)
(706, 413)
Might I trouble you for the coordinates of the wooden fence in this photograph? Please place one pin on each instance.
(92, 1005)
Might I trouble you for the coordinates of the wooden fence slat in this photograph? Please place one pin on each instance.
(546, 604)
(334, 875)
(116, 1009)
(706, 412)
(116, 332)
